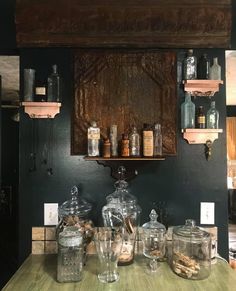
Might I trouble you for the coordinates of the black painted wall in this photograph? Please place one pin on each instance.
(182, 181)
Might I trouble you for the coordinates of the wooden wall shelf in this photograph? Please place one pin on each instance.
(200, 136)
(200, 88)
(124, 159)
(41, 109)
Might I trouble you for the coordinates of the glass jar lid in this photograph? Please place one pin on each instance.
(153, 223)
(70, 237)
(190, 230)
(75, 206)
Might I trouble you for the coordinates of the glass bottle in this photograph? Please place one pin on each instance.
(203, 67)
(125, 145)
(106, 153)
(147, 140)
(123, 211)
(40, 91)
(53, 86)
(113, 139)
(93, 140)
(134, 142)
(187, 112)
(191, 251)
(157, 140)
(201, 118)
(215, 70)
(190, 66)
(213, 116)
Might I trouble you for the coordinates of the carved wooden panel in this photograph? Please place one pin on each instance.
(112, 23)
(124, 88)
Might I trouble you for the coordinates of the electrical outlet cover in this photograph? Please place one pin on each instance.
(207, 213)
(50, 213)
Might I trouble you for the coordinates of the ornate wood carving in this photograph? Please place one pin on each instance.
(136, 23)
(124, 88)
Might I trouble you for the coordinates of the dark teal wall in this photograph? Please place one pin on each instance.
(182, 181)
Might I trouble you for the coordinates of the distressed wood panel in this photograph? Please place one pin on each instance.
(110, 23)
(124, 88)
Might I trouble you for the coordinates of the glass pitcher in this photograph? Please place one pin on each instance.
(123, 211)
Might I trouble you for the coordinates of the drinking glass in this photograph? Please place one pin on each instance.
(108, 243)
(154, 247)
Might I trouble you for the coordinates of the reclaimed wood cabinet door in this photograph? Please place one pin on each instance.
(231, 137)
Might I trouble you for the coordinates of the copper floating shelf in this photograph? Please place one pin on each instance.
(200, 136)
(124, 159)
(200, 88)
(41, 109)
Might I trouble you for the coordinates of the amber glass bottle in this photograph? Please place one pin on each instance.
(201, 118)
(125, 146)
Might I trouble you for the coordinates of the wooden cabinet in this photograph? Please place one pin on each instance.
(231, 137)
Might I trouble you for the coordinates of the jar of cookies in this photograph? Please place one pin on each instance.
(75, 212)
(191, 251)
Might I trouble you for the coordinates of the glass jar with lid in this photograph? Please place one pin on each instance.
(75, 212)
(123, 211)
(191, 251)
(70, 255)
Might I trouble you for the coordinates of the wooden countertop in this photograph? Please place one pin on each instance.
(38, 272)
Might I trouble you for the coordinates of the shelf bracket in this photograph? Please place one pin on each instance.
(41, 109)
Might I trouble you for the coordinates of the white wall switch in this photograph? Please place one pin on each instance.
(207, 213)
(50, 213)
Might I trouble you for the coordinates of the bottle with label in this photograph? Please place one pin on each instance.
(213, 117)
(201, 119)
(40, 91)
(157, 140)
(93, 140)
(53, 86)
(134, 142)
(215, 70)
(113, 139)
(147, 141)
(125, 145)
(203, 67)
(106, 153)
(187, 112)
(190, 66)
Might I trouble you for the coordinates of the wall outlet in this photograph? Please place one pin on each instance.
(207, 213)
(50, 213)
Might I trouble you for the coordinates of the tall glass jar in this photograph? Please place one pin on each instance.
(191, 251)
(74, 212)
(123, 211)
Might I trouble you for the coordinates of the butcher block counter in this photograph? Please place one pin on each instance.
(38, 272)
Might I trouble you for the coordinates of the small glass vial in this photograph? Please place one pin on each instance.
(147, 141)
(213, 117)
(113, 139)
(106, 153)
(93, 140)
(157, 140)
(134, 142)
(70, 255)
(187, 112)
(190, 66)
(215, 70)
(53, 86)
(201, 118)
(203, 67)
(125, 146)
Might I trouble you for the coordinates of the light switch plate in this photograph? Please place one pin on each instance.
(207, 213)
(50, 213)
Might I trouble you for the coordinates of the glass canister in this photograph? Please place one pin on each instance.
(191, 251)
(74, 212)
(123, 211)
(70, 255)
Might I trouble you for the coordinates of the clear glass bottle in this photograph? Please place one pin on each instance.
(134, 142)
(191, 251)
(201, 118)
(190, 66)
(70, 255)
(147, 140)
(203, 67)
(213, 116)
(113, 139)
(93, 140)
(215, 70)
(187, 112)
(123, 211)
(157, 140)
(53, 86)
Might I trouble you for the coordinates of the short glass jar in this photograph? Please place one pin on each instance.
(191, 251)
